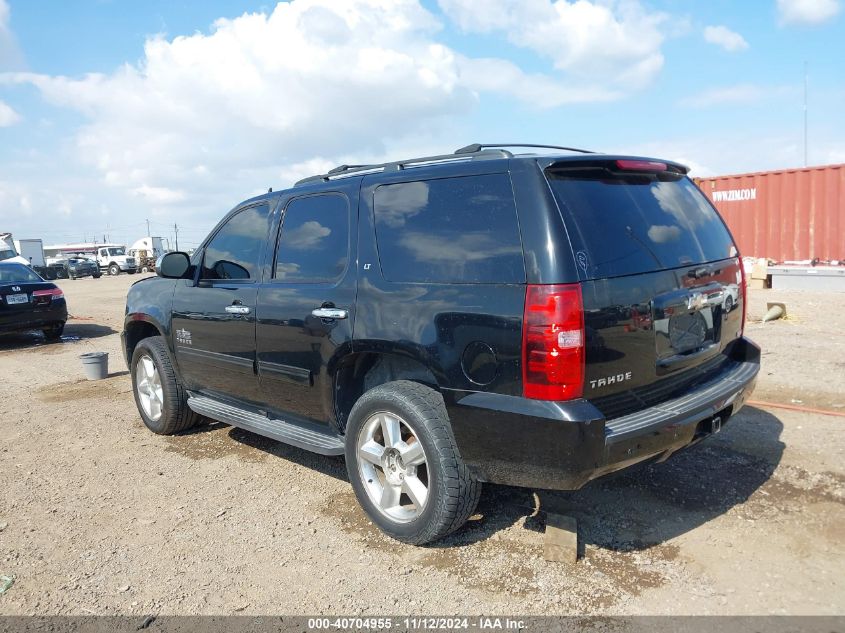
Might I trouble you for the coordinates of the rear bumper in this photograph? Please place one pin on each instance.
(36, 318)
(563, 445)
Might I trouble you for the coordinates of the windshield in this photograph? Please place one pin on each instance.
(117, 251)
(17, 273)
(6, 253)
(624, 224)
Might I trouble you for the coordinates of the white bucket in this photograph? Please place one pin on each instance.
(95, 364)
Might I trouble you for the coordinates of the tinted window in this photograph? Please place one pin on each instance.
(314, 244)
(622, 225)
(234, 251)
(455, 230)
(17, 272)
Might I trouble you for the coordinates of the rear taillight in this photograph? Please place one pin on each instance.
(50, 293)
(553, 342)
(743, 286)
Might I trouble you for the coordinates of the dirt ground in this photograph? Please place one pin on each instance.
(100, 516)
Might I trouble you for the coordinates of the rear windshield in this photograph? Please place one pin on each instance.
(624, 224)
(17, 272)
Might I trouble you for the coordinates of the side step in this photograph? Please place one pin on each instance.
(307, 435)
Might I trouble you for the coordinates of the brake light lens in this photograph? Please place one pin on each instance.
(50, 293)
(553, 342)
(641, 165)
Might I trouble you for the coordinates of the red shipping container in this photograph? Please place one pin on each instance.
(786, 215)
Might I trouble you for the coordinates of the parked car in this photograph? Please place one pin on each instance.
(535, 320)
(82, 267)
(27, 302)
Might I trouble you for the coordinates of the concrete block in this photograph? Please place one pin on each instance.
(561, 542)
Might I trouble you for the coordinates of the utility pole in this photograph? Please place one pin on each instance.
(176, 231)
(148, 229)
(805, 113)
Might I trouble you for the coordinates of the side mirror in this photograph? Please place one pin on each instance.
(173, 265)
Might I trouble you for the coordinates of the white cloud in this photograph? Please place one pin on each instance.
(7, 115)
(264, 99)
(618, 42)
(159, 194)
(807, 11)
(722, 36)
(537, 90)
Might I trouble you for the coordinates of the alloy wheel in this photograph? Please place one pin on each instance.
(148, 386)
(393, 467)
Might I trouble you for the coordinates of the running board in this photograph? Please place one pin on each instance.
(307, 435)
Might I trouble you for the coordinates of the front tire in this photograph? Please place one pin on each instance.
(404, 464)
(114, 270)
(159, 394)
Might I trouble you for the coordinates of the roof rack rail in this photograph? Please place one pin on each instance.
(342, 171)
(477, 147)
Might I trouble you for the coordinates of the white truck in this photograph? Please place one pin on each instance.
(146, 251)
(8, 252)
(112, 258)
(28, 252)
(32, 251)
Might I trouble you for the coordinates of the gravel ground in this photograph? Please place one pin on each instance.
(99, 516)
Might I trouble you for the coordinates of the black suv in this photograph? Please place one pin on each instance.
(532, 319)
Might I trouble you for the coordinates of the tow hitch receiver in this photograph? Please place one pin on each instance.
(716, 424)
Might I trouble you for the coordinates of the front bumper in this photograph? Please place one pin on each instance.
(563, 445)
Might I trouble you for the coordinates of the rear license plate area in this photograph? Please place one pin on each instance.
(13, 300)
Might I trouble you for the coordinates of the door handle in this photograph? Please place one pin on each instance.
(330, 313)
(236, 309)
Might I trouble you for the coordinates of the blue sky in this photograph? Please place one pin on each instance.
(113, 112)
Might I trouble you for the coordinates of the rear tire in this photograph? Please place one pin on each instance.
(54, 332)
(159, 394)
(400, 447)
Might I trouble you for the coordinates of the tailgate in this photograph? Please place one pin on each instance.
(661, 279)
(653, 336)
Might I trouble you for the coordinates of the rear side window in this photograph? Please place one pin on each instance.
(314, 243)
(629, 224)
(453, 230)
